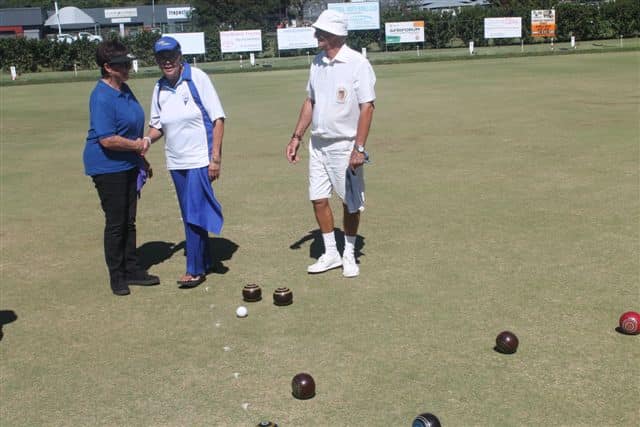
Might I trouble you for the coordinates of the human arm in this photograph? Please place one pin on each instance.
(120, 143)
(152, 136)
(216, 150)
(304, 119)
(364, 124)
(104, 122)
(213, 106)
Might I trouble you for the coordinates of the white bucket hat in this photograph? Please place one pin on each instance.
(332, 22)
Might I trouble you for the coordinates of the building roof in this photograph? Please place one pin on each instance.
(68, 17)
(21, 16)
(146, 15)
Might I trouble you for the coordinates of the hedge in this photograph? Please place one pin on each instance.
(584, 21)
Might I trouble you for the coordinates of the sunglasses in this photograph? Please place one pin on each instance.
(167, 58)
(126, 64)
(122, 61)
(319, 34)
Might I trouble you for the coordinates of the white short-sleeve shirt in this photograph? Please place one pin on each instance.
(175, 112)
(338, 87)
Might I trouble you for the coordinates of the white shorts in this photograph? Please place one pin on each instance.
(328, 164)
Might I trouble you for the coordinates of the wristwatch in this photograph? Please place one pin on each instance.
(360, 148)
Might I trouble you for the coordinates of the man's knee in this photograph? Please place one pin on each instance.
(320, 203)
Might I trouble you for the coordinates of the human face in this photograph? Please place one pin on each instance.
(323, 37)
(119, 71)
(170, 65)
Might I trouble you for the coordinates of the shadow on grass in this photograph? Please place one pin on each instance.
(317, 246)
(6, 317)
(622, 331)
(153, 253)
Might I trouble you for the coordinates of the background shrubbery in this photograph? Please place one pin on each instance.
(584, 21)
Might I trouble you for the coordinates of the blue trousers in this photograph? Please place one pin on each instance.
(201, 214)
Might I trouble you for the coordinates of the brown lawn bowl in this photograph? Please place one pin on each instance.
(252, 293)
(303, 386)
(282, 296)
(506, 342)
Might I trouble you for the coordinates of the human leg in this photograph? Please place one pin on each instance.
(338, 164)
(135, 275)
(351, 223)
(330, 258)
(324, 215)
(197, 250)
(196, 238)
(112, 190)
(319, 193)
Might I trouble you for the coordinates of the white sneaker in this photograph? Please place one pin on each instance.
(349, 266)
(325, 262)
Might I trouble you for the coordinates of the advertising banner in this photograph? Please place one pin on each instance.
(502, 28)
(178, 12)
(241, 41)
(296, 38)
(543, 23)
(190, 43)
(360, 16)
(404, 32)
(121, 13)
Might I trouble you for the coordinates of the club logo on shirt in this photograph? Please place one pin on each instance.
(341, 95)
(185, 98)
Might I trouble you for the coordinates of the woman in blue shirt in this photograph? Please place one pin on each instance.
(113, 158)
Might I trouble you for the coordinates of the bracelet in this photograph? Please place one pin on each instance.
(148, 138)
(296, 136)
(215, 162)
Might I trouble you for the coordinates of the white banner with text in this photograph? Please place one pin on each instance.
(360, 16)
(404, 32)
(503, 28)
(296, 38)
(241, 41)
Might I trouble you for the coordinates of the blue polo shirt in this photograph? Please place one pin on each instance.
(112, 112)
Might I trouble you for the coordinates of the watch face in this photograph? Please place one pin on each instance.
(359, 148)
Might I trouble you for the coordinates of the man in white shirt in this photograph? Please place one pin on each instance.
(339, 107)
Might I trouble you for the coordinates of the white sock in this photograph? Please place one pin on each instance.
(329, 243)
(349, 245)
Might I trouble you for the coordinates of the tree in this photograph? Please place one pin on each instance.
(622, 16)
(237, 14)
(297, 8)
(470, 25)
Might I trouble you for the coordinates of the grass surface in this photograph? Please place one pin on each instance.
(376, 57)
(503, 194)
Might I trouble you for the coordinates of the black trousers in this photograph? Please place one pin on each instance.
(119, 201)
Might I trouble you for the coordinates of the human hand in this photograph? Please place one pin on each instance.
(146, 146)
(142, 146)
(214, 170)
(357, 159)
(291, 152)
